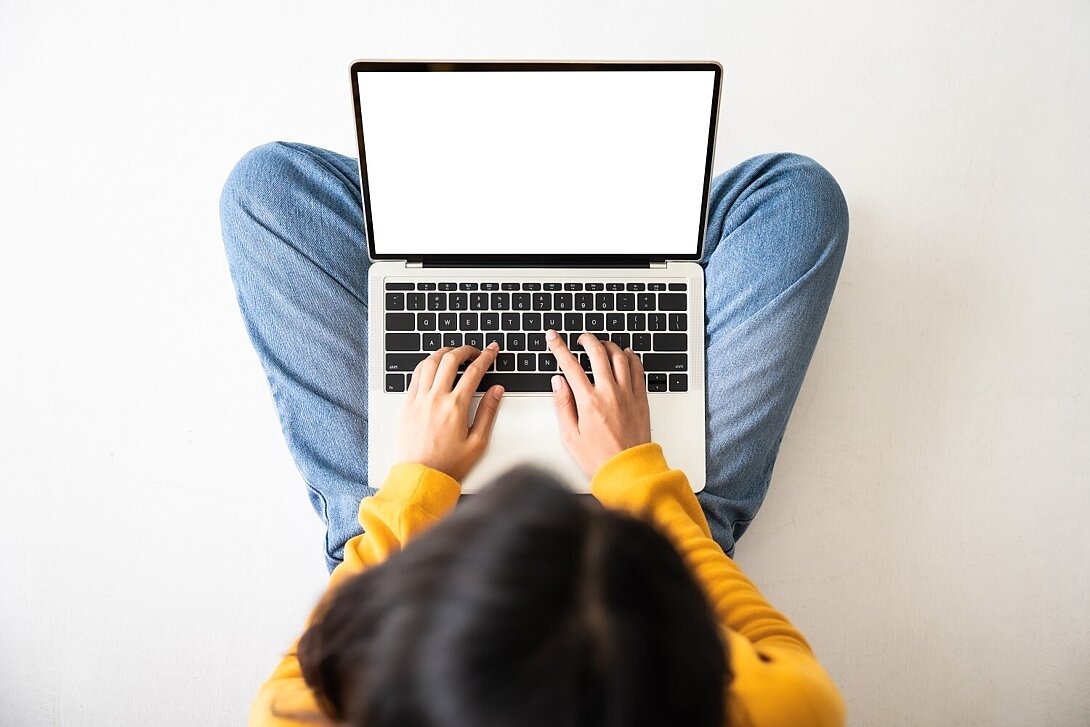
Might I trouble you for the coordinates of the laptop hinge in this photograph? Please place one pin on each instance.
(657, 265)
(560, 263)
(413, 264)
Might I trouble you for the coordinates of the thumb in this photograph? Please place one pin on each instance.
(566, 413)
(485, 417)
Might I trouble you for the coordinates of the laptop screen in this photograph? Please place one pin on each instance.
(535, 162)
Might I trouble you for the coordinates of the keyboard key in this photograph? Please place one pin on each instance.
(552, 286)
(416, 301)
(542, 301)
(400, 321)
(475, 339)
(656, 286)
(614, 286)
(679, 322)
(399, 286)
(635, 286)
(395, 301)
(467, 286)
(573, 286)
(615, 321)
(594, 286)
(645, 301)
(520, 301)
(509, 286)
(554, 321)
(656, 382)
(623, 340)
(641, 341)
(432, 341)
(656, 321)
(437, 301)
(454, 340)
(458, 301)
(679, 382)
(671, 341)
(673, 301)
(531, 321)
(403, 361)
(490, 321)
(448, 321)
(501, 301)
(425, 286)
(510, 321)
(562, 301)
(516, 341)
(504, 362)
(402, 341)
(478, 301)
(536, 342)
(546, 362)
(626, 301)
(531, 286)
(468, 322)
(603, 301)
(573, 321)
(490, 286)
(517, 382)
(448, 286)
(678, 286)
(575, 346)
(526, 361)
(584, 301)
(395, 382)
(665, 362)
(497, 338)
(637, 321)
(584, 361)
(595, 321)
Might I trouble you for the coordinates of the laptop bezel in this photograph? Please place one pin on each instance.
(524, 65)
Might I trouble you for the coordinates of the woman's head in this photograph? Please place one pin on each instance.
(527, 606)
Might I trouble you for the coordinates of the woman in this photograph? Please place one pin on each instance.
(529, 605)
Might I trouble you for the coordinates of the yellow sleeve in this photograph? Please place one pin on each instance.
(412, 498)
(777, 679)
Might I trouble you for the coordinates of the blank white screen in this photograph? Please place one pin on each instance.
(536, 162)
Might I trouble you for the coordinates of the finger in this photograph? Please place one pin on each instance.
(425, 370)
(448, 366)
(485, 418)
(569, 364)
(636, 377)
(619, 362)
(567, 415)
(599, 359)
(476, 370)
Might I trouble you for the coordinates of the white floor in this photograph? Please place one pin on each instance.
(926, 524)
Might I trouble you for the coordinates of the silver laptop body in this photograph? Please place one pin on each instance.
(504, 198)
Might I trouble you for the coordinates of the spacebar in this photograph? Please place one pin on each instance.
(517, 382)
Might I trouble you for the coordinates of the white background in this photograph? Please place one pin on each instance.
(536, 162)
(927, 523)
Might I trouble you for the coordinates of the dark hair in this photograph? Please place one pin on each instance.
(529, 605)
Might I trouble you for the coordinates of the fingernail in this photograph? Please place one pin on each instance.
(497, 392)
(493, 345)
(556, 383)
(550, 335)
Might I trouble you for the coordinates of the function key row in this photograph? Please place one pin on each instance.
(538, 301)
(612, 286)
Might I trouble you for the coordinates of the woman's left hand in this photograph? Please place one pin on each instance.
(435, 429)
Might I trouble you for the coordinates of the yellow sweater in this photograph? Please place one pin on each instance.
(777, 680)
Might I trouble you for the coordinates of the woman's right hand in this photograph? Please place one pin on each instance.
(607, 417)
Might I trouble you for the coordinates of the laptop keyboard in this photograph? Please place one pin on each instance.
(650, 316)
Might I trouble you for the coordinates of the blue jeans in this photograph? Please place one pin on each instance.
(294, 234)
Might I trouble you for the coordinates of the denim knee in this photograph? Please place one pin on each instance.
(817, 201)
(250, 192)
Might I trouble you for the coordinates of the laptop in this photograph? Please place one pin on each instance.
(502, 199)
